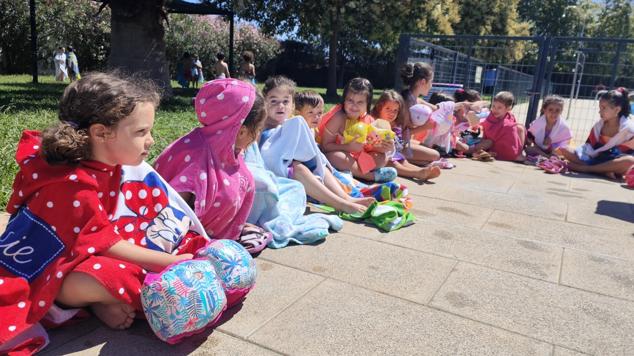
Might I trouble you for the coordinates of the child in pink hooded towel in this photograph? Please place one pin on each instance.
(207, 167)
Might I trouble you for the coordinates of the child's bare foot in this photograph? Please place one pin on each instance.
(117, 316)
(431, 172)
(365, 201)
(351, 208)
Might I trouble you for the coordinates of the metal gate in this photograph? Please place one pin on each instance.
(529, 67)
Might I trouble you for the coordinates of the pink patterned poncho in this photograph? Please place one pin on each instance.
(204, 161)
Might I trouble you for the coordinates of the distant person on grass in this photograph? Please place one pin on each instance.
(247, 69)
(59, 58)
(221, 69)
(73, 64)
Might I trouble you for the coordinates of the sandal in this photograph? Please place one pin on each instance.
(254, 238)
(442, 163)
(553, 165)
(483, 156)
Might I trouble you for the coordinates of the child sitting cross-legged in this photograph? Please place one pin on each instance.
(71, 250)
(389, 107)
(550, 132)
(349, 153)
(609, 149)
(503, 136)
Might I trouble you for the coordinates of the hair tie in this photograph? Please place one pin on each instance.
(71, 124)
(621, 90)
(460, 90)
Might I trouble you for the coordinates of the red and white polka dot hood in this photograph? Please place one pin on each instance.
(204, 161)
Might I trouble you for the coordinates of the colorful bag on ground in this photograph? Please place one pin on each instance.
(234, 266)
(183, 300)
(387, 215)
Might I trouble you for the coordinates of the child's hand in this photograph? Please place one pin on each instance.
(383, 147)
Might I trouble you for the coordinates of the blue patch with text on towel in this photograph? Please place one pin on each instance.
(28, 245)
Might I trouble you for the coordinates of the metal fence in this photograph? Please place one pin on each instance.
(530, 68)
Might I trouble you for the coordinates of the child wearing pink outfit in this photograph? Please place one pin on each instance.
(207, 167)
(503, 136)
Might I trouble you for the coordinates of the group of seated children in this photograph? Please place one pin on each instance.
(90, 219)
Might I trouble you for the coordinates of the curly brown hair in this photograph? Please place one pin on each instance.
(97, 98)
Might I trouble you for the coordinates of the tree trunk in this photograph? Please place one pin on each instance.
(331, 91)
(137, 41)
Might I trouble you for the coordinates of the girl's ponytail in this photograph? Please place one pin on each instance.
(618, 97)
(64, 144)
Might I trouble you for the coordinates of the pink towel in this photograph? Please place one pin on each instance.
(204, 161)
(503, 133)
(560, 134)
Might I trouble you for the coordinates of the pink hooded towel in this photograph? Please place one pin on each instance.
(560, 135)
(204, 162)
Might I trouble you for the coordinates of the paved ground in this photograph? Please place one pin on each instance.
(503, 259)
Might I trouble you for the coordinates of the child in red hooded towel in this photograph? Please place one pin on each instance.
(62, 246)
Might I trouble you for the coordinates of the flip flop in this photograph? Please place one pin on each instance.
(442, 163)
(253, 238)
(553, 165)
(483, 156)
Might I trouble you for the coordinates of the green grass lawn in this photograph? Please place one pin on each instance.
(24, 105)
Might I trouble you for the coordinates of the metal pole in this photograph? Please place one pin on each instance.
(574, 83)
(454, 70)
(615, 64)
(33, 41)
(401, 58)
(582, 66)
(468, 64)
(538, 79)
(231, 20)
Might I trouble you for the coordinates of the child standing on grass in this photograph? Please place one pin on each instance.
(61, 245)
(610, 146)
(549, 132)
(503, 136)
(389, 107)
(207, 167)
(357, 99)
(288, 149)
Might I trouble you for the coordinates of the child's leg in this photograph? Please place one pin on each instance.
(380, 159)
(81, 290)
(461, 147)
(332, 183)
(422, 154)
(536, 151)
(341, 160)
(318, 191)
(521, 132)
(482, 145)
(406, 169)
(618, 166)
